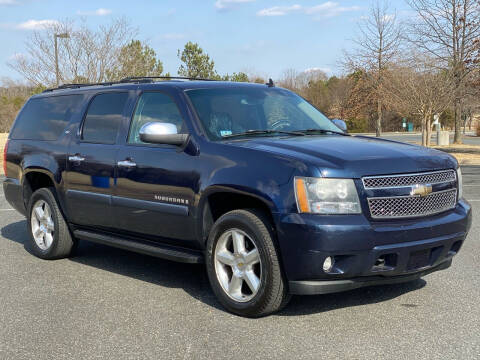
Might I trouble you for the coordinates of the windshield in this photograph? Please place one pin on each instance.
(226, 112)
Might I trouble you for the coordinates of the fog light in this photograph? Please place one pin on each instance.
(328, 264)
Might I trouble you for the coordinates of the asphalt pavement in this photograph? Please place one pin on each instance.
(106, 303)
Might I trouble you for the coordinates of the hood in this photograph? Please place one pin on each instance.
(354, 156)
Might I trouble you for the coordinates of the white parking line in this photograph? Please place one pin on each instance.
(7, 209)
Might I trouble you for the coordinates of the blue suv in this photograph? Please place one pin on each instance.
(250, 179)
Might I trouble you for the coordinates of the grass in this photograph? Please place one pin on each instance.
(459, 148)
(3, 139)
(467, 159)
(465, 154)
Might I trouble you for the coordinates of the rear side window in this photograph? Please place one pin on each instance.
(104, 117)
(45, 118)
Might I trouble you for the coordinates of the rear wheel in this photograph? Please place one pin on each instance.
(243, 265)
(50, 237)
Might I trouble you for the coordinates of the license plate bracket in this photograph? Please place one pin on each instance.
(419, 259)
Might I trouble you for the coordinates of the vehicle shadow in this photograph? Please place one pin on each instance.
(193, 278)
(190, 277)
(312, 304)
(16, 231)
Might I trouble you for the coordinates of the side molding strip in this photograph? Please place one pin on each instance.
(89, 196)
(173, 209)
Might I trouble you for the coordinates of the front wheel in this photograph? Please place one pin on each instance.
(243, 265)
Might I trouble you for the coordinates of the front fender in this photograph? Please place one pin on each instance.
(204, 220)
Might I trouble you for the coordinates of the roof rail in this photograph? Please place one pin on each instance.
(131, 79)
(153, 78)
(76, 86)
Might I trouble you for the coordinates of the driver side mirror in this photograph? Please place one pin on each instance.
(342, 125)
(162, 133)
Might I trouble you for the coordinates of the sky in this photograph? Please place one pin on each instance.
(263, 37)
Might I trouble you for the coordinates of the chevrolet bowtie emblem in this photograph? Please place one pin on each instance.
(421, 190)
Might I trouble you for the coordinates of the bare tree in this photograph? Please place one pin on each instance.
(85, 56)
(417, 87)
(289, 79)
(340, 90)
(377, 45)
(448, 31)
(297, 81)
(12, 96)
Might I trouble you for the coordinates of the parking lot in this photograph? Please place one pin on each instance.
(108, 303)
(416, 138)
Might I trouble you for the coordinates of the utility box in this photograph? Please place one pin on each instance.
(443, 138)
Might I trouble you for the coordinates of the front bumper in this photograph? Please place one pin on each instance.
(333, 286)
(367, 252)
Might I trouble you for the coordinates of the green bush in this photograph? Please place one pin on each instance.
(357, 125)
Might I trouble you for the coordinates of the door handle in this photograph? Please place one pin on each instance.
(76, 158)
(126, 163)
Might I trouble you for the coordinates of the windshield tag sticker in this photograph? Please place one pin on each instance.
(225, 132)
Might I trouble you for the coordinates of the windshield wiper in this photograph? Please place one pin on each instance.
(320, 131)
(263, 132)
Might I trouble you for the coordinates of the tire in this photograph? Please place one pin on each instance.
(53, 239)
(271, 293)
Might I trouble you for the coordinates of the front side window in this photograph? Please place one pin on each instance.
(228, 111)
(155, 107)
(103, 119)
(45, 118)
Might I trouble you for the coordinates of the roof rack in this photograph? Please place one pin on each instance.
(131, 79)
(153, 78)
(76, 86)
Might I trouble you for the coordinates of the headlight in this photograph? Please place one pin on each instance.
(326, 196)
(460, 183)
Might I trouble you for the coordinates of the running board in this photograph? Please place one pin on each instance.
(146, 248)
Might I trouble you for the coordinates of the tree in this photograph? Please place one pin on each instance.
(448, 31)
(12, 97)
(135, 59)
(476, 65)
(419, 88)
(289, 80)
(258, 80)
(360, 105)
(236, 77)
(196, 63)
(87, 55)
(339, 89)
(377, 45)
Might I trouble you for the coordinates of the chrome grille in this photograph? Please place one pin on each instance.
(389, 181)
(412, 206)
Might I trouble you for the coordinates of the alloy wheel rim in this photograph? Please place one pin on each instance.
(43, 227)
(238, 265)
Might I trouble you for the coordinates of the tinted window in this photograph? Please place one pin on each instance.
(45, 118)
(155, 107)
(104, 117)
